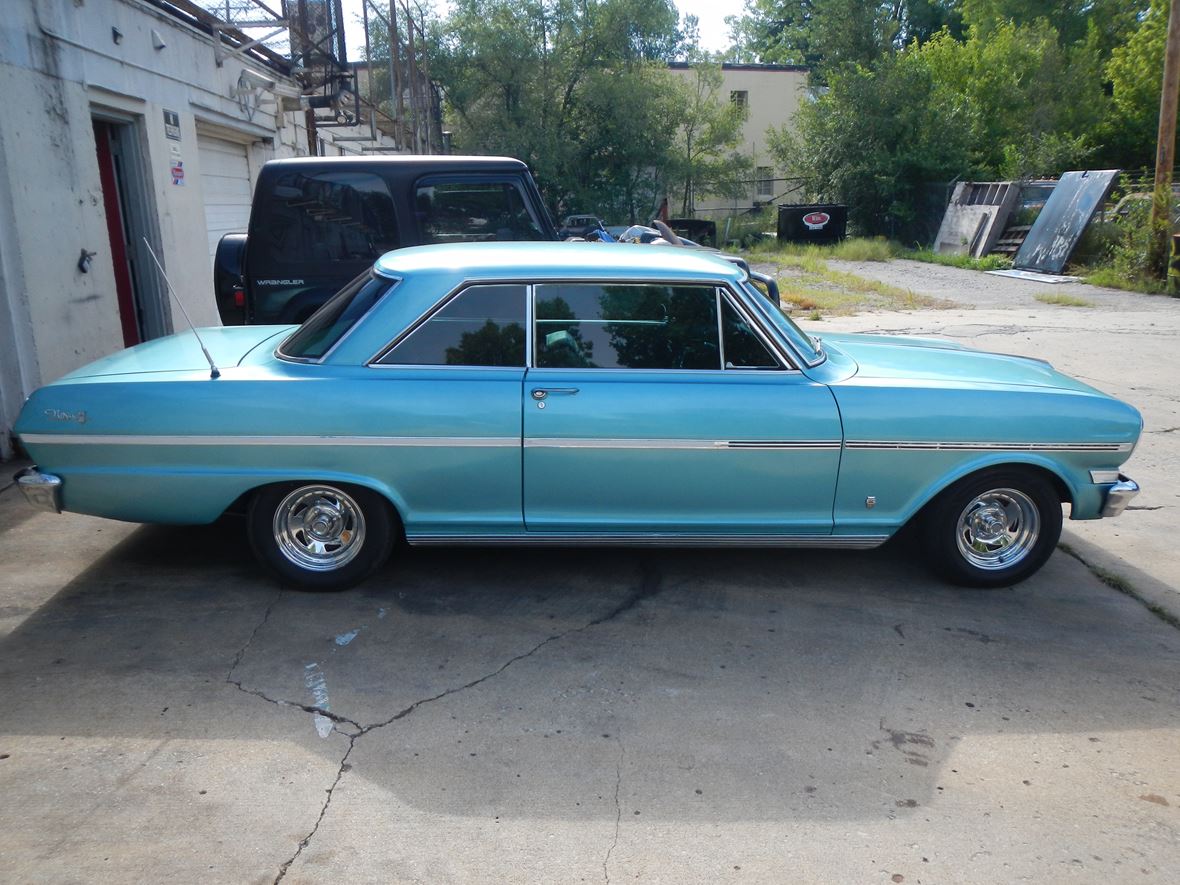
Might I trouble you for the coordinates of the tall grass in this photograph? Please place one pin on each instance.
(988, 262)
(855, 249)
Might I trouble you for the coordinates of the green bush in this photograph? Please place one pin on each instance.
(1124, 264)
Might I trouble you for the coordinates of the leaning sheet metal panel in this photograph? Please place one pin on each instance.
(1061, 223)
(225, 184)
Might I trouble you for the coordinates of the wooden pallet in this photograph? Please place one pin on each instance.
(1011, 241)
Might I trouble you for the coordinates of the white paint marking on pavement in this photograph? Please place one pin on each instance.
(318, 686)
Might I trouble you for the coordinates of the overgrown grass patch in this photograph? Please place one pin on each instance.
(988, 262)
(854, 249)
(1063, 300)
(806, 283)
(1113, 278)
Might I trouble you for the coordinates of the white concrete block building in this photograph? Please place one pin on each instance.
(120, 125)
(771, 95)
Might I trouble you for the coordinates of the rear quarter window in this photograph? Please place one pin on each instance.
(330, 323)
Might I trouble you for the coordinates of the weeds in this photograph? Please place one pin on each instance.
(1062, 299)
(807, 283)
(855, 249)
(988, 262)
(1116, 279)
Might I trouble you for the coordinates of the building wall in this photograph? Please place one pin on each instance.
(773, 96)
(60, 68)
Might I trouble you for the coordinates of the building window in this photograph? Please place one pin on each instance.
(764, 180)
(740, 97)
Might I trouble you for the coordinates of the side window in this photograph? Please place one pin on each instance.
(743, 349)
(465, 212)
(481, 326)
(626, 327)
(325, 218)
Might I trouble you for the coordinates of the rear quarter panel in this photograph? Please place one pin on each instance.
(181, 447)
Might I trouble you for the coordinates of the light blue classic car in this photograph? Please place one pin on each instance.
(578, 394)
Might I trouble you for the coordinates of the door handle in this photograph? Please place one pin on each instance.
(540, 393)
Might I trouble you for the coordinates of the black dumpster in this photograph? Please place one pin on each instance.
(820, 223)
(696, 229)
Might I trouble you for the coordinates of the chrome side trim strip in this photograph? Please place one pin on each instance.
(648, 539)
(713, 445)
(988, 446)
(807, 444)
(79, 439)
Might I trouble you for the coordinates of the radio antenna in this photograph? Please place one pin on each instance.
(214, 372)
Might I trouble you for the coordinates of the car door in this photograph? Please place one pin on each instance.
(655, 408)
(453, 390)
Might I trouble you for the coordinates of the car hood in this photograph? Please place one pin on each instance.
(929, 360)
(227, 345)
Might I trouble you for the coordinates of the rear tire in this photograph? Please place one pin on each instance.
(993, 529)
(320, 536)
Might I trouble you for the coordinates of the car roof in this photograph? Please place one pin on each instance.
(557, 261)
(431, 161)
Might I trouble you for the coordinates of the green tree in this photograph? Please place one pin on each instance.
(827, 34)
(573, 87)
(1136, 70)
(881, 140)
(1074, 20)
(1034, 104)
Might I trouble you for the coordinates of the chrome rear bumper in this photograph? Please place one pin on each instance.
(1120, 496)
(42, 490)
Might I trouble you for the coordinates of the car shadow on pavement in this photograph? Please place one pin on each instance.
(721, 685)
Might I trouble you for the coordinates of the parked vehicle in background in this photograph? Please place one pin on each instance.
(580, 226)
(574, 394)
(317, 222)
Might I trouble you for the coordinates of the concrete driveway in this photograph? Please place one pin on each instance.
(547, 716)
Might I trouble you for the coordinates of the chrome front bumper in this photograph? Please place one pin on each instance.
(1120, 496)
(42, 490)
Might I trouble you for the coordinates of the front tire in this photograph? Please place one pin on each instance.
(993, 529)
(320, 536)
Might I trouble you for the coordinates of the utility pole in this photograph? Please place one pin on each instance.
(1161, 203)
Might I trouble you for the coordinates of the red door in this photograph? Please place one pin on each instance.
(116, 231)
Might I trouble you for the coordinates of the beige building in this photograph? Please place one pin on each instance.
(771, 95)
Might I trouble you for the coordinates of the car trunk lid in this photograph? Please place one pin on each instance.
(227, 345)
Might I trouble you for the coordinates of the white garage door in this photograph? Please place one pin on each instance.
(225, 184)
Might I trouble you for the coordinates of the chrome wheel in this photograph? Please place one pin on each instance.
(319, 528)
(998, 529)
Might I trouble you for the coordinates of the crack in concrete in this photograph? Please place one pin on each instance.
(1122, 585)
(306, 708)
(306, 840)
(1165, 430)
(253, 633)
(650, 584)
(618, 814)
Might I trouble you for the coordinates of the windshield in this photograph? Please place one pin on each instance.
(331, 322)
(806, 346)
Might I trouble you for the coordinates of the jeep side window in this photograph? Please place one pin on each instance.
(325, 218)
(468, 211)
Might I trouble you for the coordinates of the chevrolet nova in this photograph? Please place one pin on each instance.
(578, 394)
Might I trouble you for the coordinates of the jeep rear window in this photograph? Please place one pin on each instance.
(473, 211)
(331, 322)
(323, 220)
